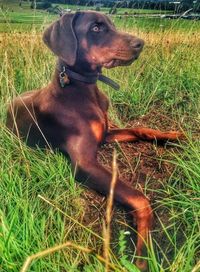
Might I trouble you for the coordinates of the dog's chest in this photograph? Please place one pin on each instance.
(102, 101)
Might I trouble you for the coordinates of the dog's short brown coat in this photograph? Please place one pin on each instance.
(73, 118)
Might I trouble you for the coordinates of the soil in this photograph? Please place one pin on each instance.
(139, 164)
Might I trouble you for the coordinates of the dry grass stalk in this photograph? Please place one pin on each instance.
(54, 249)
(104, 259)
(106, 231)
(69, 217)
(197, 267)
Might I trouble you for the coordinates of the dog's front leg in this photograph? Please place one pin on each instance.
(141, 133)
(83, 152)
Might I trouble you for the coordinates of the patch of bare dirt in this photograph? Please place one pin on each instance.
(139, 164)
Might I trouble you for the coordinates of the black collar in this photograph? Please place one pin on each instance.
(66, 73)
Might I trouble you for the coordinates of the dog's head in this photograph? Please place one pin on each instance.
(90, 37)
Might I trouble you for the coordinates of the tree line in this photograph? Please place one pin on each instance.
(183, 5)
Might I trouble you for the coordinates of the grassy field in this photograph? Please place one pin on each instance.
(40, 203)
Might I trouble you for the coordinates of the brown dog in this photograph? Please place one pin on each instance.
(70, 114)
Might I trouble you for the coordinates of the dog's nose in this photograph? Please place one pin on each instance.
(137, 44)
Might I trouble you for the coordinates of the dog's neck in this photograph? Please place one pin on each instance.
(66, 74)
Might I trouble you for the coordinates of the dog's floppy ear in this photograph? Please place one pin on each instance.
(61, 39)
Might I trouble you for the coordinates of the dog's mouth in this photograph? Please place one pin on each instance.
(119, 62)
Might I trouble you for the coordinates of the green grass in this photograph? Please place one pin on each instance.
(165, 81)
(24, 17)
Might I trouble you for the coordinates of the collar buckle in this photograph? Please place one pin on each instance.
(64, 79)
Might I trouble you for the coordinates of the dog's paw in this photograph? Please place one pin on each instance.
(142, 265)
(175, 135)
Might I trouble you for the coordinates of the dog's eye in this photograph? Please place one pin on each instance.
(96, 28)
